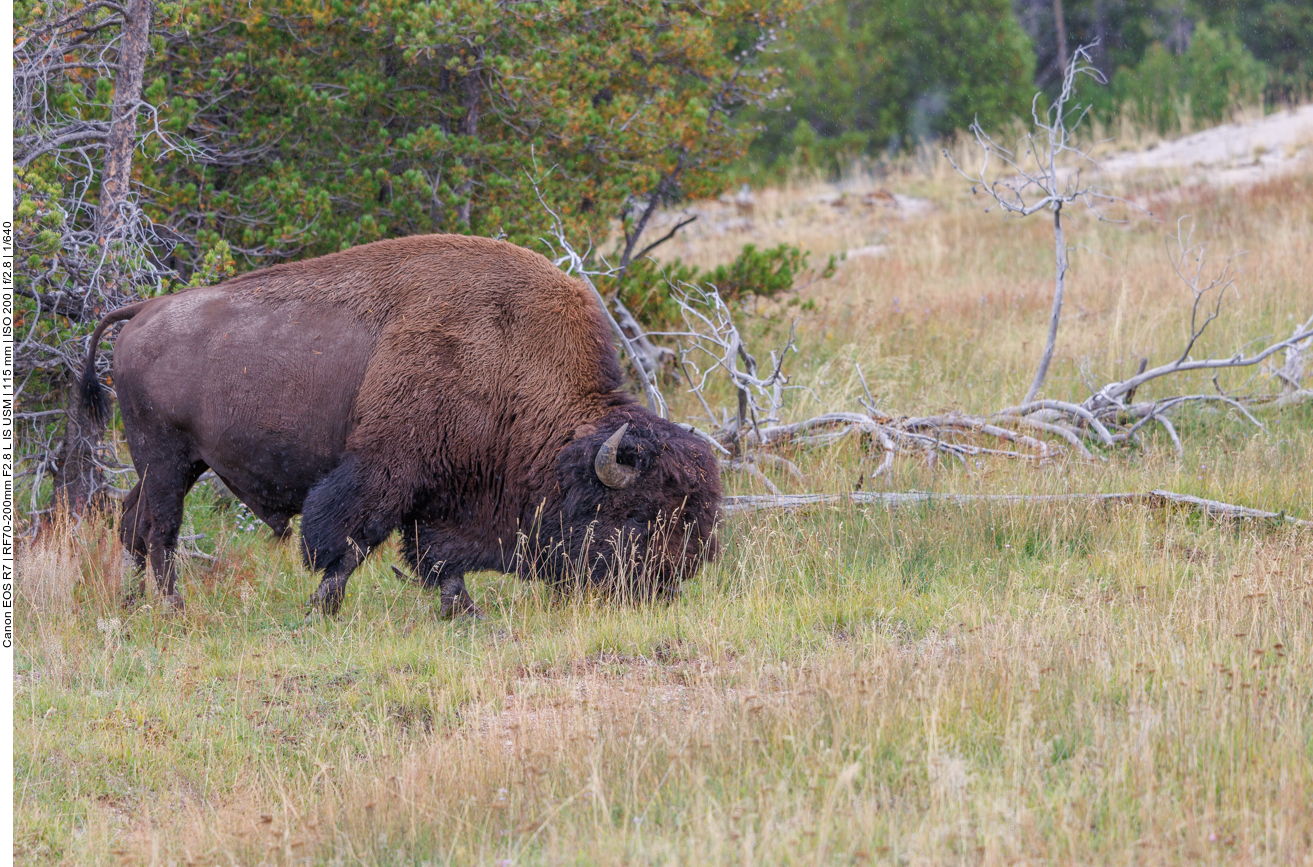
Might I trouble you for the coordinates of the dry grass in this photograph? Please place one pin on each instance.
(952, 313)
(846, 686)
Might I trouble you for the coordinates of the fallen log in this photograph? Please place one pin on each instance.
(1156, 499)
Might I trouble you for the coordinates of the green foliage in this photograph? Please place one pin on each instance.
(1279, 34)
(39, 219)
(649, 288)
(810, 153)
(1161, 32)
(764, 273)
(867, 75)
(1214, 75)
(216, 265)
(327, 125)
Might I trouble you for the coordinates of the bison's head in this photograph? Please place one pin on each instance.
(638, 508)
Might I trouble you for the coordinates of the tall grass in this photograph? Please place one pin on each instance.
(984, 685)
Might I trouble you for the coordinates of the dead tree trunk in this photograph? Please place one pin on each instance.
(78, 477)
(1036, 181)
(122, 142)
(1059, 282)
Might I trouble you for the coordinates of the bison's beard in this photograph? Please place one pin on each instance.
(628, 562)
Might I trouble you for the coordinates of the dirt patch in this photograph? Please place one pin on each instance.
(1233, 153)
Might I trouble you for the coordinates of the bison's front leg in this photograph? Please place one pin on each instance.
(341, 523)
(331, 591)
(440, 559)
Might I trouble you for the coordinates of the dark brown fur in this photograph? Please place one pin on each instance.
(454, 388)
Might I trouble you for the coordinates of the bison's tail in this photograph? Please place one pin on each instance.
(92, 396)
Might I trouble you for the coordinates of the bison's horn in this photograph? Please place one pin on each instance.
(610, 473)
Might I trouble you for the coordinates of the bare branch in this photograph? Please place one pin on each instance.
(575, 262)
(1110, 393)
(666, 237)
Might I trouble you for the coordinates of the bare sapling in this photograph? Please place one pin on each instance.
(1044, 172)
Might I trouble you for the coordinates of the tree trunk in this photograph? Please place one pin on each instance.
(1100, 49)
(134, 42)
(78, 477)
(469, 126)
(1058, 283)
(1060, 32)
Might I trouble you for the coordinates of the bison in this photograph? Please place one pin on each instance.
(462, 390)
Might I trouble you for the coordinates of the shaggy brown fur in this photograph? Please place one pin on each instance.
(455, 388)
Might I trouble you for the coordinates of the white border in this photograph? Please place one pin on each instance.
(7, 460)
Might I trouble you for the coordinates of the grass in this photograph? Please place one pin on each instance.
(986, 685)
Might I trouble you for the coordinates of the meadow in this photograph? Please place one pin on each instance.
(989, 684)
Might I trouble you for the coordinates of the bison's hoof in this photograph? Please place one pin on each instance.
(326, 607)
(460, 606)
(327, 600)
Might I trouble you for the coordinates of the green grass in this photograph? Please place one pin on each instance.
(1050, 683)
(1076, 683)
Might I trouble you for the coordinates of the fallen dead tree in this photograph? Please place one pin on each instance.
(1156, 499)
(1109, 418)
(752, 431)
(1045, 172)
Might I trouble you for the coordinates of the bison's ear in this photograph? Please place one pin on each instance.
(609, 471)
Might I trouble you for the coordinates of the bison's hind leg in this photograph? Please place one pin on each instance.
(133, 531)
(152, 517)
(164, 497)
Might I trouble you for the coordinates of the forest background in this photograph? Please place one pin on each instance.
(161, 145)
